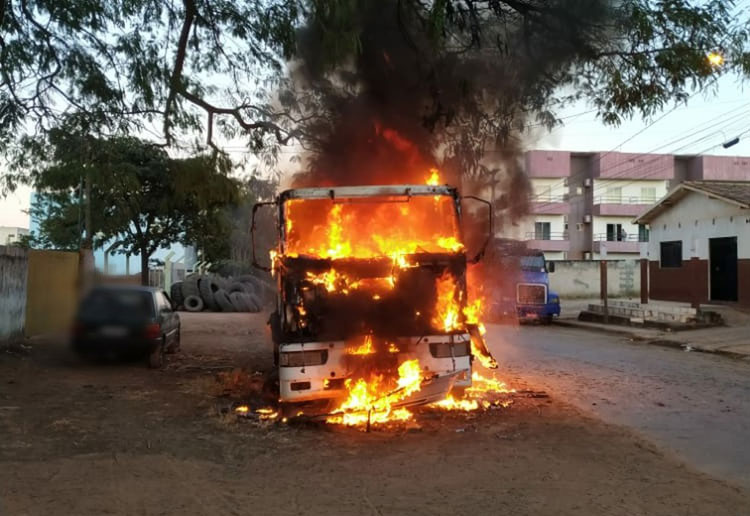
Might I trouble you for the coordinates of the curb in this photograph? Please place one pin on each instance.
(583, 326)
(666, 343)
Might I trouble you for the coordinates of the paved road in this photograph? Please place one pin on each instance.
(694, 404)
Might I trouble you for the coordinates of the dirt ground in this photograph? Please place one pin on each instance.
(79, 438)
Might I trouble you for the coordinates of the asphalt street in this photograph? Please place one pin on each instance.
(693, 404)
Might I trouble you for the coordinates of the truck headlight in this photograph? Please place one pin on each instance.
(303, 358)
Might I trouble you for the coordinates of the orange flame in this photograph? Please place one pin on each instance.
(372, 399)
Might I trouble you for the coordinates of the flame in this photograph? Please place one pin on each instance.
(434, 178)
(447, 308)
(366, 348)
(371, 399)
(396, 226)
(262, 413)
(478, 396)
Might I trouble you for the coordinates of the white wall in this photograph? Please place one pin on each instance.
(631, 188)
(581, 278)
(696, 218)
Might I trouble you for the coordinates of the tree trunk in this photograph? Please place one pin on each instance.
(88, 244)
(144, 267)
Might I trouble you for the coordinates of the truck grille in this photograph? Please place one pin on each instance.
(532, 294)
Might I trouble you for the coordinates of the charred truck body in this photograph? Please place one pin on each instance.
(369, 277)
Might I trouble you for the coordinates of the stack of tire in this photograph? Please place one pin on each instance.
(216, 294)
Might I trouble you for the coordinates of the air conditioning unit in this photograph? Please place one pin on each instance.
(587, 182)
(587, 219)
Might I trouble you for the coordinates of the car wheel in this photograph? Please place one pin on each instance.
(175, 347)
(156, 358)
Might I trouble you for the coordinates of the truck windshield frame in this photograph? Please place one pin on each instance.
(436, 217)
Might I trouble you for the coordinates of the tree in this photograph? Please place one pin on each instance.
(192, 65)
(119, 64)
(141, 199)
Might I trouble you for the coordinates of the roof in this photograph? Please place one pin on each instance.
(731, 192)
(366, 191)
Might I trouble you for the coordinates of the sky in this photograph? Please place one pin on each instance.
(700, 126)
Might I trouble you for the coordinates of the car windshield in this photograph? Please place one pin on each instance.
(532, 263)
(134, 303)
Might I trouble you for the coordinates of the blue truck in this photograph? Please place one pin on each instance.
(518, 278)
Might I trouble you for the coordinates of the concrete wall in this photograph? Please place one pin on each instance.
(581, 278)
(547, 163)
(13, 272)
(52, 291)
(636, 166)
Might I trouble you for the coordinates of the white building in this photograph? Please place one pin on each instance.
(10, 235)
(699, 246)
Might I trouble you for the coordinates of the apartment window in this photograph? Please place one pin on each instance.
(616, 233)
(643, 233)
(648, 195)
(671, 254)
(542, 231)
(614, 194)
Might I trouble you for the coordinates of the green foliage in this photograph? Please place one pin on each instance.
(486, 66)
(119, 64)
(141, 199)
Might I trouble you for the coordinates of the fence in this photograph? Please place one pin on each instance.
(52, 291)
(581, 278)
(13, 273)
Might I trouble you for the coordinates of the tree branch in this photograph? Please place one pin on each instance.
(176, 78)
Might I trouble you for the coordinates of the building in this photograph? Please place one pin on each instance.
(699, 246)
(11, 235)
(583, 205)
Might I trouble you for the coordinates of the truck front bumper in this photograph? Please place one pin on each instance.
(328, 380)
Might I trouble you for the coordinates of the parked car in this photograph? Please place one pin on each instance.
(126, 320)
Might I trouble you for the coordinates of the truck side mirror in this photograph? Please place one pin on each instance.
(256, 207)
(551, 267)
(490, 231)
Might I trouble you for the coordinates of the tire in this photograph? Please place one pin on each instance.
(175, 347)
(222, 283)
(156, 359)
(175, 292)
(208, 288)
(238, 301)
(190, 286)
(253, 303)
(193, 304)
(223, 301)
(244, 288)
(546, 320)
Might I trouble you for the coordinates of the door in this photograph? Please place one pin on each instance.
(614, 232)
(542, 231)
(723, 262)
(168, 317)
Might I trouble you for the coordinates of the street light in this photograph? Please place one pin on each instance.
(715, 59)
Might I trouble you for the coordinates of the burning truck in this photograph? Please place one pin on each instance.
(372, 314)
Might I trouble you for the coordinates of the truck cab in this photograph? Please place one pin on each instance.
(369, 277)
(520, 279)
